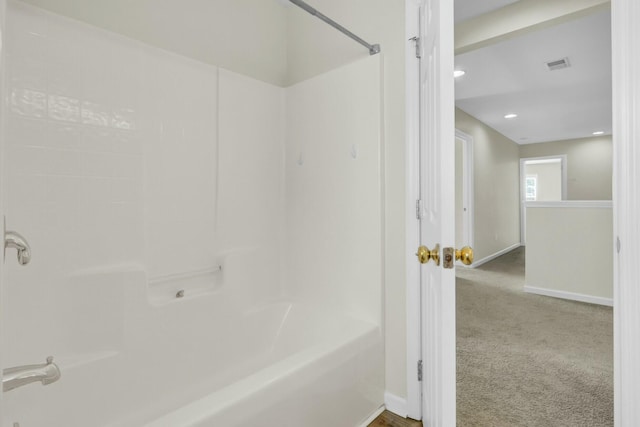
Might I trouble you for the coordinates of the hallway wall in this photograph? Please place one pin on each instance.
(496, 176)
(548, 180)
(589, 165)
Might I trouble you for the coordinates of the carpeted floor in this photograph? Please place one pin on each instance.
(529, 360)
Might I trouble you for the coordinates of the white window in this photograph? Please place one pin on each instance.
(531, 187)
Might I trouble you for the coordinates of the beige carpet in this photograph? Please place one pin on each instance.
(529, 360)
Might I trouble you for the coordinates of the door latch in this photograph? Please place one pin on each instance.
(451, 255)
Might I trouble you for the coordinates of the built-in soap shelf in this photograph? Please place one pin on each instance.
(175, 287)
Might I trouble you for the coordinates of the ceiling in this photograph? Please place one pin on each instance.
(512, 77)
(467, 9)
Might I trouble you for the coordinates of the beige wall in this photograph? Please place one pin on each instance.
(553, 232)
(549, 180)
(497, 192)
(589, 165)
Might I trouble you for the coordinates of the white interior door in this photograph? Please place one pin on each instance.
(626, 209)
(437, 224)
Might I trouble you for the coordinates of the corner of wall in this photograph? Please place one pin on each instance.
(496, 187)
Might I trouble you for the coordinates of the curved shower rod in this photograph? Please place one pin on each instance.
(373, 48)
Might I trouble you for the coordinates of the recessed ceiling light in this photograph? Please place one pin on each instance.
(598, 132)
(510, 116)
(458, 73)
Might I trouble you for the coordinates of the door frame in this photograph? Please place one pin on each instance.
(468, 191)
(412, 166)
(523, 211)
(626, 208)
(3, 169)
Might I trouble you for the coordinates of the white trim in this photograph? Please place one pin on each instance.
(395, 404)
(485, 260)
(3, 172)
(523, 197)
(603, 204)
(544, 161)
(625, 15)
(569, 295)
(468, 190)
(413, 337)
(373, 416)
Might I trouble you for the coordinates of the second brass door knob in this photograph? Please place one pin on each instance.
(425, 254)
(465, 255)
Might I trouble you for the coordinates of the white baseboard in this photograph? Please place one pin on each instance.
(485, 260)
(569, 295)
(372, 417)
(395, 404)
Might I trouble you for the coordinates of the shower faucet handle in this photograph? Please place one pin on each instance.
(16, 241)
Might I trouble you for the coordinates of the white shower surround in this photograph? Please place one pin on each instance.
(130, 168)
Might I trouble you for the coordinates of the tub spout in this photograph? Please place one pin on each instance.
(22, 375)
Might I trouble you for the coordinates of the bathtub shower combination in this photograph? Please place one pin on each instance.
(205, 247)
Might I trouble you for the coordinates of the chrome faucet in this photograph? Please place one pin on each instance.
(15, 240)
(22, 375)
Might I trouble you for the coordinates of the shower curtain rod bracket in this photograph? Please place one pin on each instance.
(373, 48)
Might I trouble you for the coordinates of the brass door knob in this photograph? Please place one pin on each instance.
(465, 255)
(425, 254)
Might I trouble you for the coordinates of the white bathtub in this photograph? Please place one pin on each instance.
(275, 364)
(287, 365)
(312, 371)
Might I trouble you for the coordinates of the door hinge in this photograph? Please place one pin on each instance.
(418, 209)
(416, 40)
(419, 370)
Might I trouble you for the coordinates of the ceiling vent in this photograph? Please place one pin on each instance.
(558, 64)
